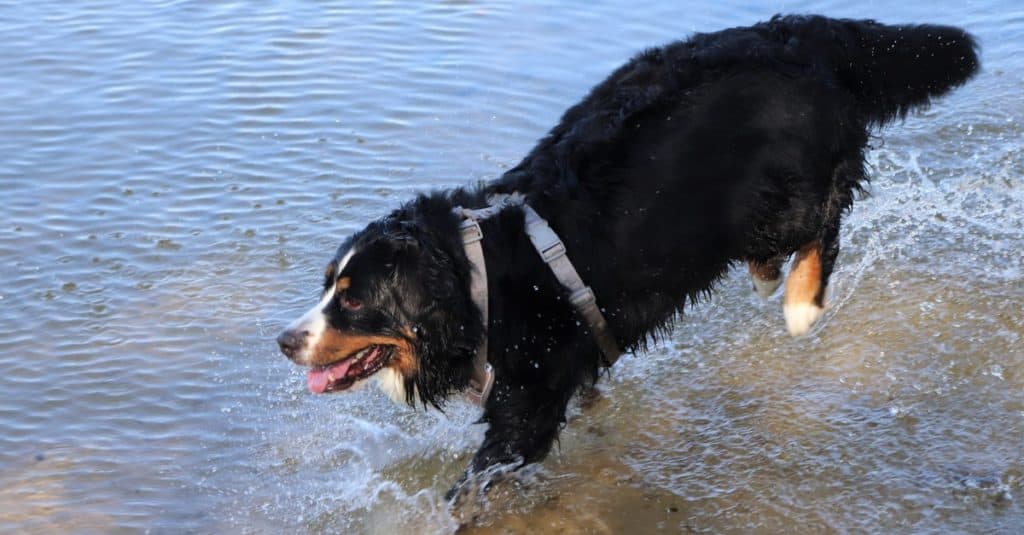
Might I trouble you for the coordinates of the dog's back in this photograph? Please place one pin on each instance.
(744, 144)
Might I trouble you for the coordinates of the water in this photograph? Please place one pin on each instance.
(176, 173)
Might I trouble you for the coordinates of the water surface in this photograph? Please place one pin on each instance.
(176, 174)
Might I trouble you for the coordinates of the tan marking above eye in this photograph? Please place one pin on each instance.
(329, 270)
(344, 283)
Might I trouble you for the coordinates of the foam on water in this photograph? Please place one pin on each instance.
(344, 460)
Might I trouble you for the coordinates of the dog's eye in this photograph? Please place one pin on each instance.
(351, 303)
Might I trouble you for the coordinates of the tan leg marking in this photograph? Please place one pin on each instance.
(804, 303)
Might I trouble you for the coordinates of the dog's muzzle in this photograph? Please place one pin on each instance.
(292, 342)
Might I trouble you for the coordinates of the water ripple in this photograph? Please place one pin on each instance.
(177, 172)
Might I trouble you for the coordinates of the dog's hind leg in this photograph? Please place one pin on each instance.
(766, 276)
(804, 300)
(805, 293)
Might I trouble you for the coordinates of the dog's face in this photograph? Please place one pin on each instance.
(388, 303)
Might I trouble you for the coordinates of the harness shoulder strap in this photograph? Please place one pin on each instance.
(552, 251)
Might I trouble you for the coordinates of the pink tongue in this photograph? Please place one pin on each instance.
(320, 378)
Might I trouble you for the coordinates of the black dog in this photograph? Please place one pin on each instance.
(741, 145)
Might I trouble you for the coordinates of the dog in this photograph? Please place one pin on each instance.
(743, 145)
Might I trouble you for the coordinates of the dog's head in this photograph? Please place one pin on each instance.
(395, 305)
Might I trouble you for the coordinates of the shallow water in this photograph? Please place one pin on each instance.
(176, 174)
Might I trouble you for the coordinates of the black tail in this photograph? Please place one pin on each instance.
(889, 69)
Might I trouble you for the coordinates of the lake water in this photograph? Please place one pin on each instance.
(175, 174)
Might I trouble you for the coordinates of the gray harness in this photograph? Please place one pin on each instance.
(552, 251)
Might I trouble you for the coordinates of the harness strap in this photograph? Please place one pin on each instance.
(483, 375)
(552, 251)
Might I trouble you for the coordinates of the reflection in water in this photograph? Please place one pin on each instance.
(176, 174)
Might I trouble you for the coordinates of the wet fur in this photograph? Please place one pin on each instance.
(740, 145)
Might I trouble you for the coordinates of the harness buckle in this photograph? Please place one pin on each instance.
(583, 297)
(555, 251)
(471, 231)
(478, 393)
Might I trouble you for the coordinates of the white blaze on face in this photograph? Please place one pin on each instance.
(314, 321)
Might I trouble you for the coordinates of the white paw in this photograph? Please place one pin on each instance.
(801, 316)
(765, 288)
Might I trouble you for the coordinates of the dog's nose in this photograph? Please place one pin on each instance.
(291, 342)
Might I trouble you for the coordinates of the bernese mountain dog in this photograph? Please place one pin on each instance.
(744, 145)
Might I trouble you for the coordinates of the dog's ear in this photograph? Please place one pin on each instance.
(407, 234)
(397, 234)
(400, 240)
(397, 243)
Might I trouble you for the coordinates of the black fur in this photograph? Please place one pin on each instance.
(731, 146)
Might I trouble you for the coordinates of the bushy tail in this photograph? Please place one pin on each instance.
(889, 69)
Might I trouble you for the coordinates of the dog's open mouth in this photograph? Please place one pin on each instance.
(345, 373)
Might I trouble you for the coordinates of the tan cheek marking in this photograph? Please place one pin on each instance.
(804, 282)
(404, 361)
(329, 270)
(344, 283)
(334, 347)
(405, 358)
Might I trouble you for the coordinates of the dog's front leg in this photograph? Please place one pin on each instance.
(524, 422)
(522, 428)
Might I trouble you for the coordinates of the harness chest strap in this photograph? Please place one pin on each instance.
(552, 251)
(483, 375)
